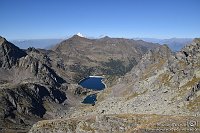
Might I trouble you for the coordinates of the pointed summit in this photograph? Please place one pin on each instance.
(2, 40)
(9, 53)
(106, 37)
(79, 34)
(196, 40)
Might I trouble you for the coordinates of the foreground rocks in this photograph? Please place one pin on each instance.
(120, 123)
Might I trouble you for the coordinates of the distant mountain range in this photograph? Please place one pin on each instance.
(37, 43)
(174, 44)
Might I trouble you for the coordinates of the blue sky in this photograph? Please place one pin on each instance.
(30, 19)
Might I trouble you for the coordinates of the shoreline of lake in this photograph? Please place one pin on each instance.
(94, 83)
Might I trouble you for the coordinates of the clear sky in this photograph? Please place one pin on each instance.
(29, 19)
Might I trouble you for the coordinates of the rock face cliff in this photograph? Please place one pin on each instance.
(163, 88)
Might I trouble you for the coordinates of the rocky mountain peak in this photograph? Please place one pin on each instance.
(195, 44)
(197, 40)
(9, 53)
(76, 38)
(161, 52)
(105, 37)
(190, 53)
(2, 40)
(79, 34)
(163, 48)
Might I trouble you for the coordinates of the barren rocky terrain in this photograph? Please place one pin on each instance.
(149, 87)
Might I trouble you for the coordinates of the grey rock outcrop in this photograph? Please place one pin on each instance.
(28, 87)
(9, 53)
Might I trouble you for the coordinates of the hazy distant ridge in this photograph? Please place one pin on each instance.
(175, 44)
(37, 43)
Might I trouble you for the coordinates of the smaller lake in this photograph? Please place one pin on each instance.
(92, 82)
(90, 99)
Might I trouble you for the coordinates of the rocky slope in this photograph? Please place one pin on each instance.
(120, 123)
(29, 88)
(163, 83)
